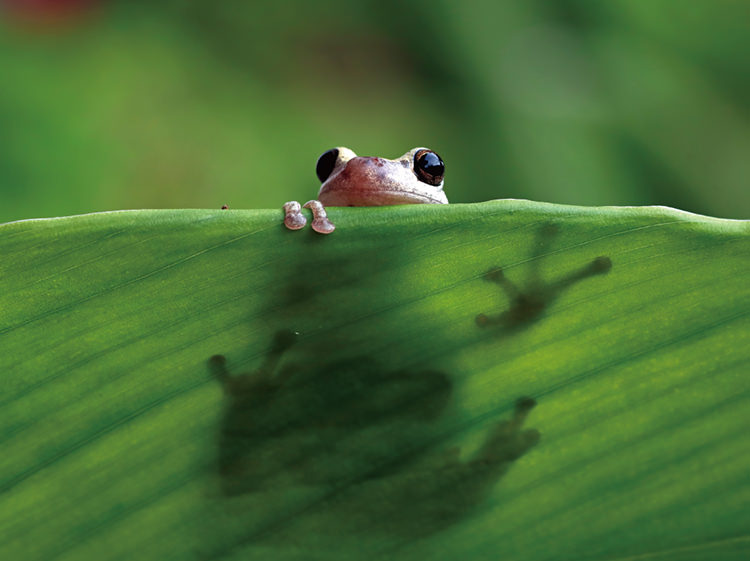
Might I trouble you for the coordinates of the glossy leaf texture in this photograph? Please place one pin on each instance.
(504, 380)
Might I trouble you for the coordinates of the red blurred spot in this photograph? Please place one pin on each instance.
(47, 12)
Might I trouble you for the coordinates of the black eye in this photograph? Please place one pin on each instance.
(326, 163)
(429, 167)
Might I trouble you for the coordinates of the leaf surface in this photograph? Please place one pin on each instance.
(508, 380)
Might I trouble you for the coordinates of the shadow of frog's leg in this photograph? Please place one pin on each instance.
(497, 276)
(263, 376)
(428, 500)
(283, 340)
(515, 297)
(217, 364)
(252, 437)
(540, 249)
(527, 304)
(506, 442)
(598, 266)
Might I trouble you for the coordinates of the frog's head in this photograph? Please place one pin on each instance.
(351, 180)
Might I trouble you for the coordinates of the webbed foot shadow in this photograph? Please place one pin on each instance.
(528, 303)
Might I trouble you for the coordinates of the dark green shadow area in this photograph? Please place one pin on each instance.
(366, 442)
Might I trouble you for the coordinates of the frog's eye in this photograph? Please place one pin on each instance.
(429, 167)
(326, 164)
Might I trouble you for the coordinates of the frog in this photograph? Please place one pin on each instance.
(350, 180)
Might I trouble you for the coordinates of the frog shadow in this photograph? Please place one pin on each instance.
(371, 440)
(529, 303)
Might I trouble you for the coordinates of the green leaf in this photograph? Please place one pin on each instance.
(376, 395)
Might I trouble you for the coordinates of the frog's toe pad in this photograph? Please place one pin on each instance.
(293, 217)
(323, 226)
(320, 223)
(295, 221)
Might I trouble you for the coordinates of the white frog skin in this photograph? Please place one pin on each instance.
(351, 180)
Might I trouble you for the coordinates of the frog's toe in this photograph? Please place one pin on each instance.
(320, 223)
(217, 364)
(295, 221)
(293, 217)
(323, 226)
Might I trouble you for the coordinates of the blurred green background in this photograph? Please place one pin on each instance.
(194, 103)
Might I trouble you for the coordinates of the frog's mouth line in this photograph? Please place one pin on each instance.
(425, 198)
(380, 193)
